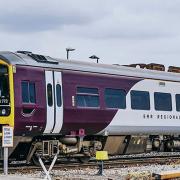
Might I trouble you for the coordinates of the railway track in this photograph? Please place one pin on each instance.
(113, 162)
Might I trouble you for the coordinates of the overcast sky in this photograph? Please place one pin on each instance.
(117, 31)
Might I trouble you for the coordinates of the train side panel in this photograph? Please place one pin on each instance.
(30, 101)
(92, 120)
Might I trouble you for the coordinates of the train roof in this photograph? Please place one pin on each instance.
(26, 58)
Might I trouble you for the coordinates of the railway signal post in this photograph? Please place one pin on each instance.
(101, 156)
(7, 141)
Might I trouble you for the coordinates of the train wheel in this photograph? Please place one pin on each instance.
(36, 162)
(84, 159)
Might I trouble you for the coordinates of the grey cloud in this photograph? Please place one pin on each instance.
(39, 22)
(134, 28)
(134, 20)
(35, 16)
(117, 31)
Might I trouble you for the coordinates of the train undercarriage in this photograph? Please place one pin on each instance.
(83, 148)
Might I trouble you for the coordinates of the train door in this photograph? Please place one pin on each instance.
(58, 102)
(49, 102)
(54, 103)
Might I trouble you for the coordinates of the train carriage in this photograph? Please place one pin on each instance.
(80, 107)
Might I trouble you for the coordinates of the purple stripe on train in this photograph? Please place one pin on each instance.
(92, 120)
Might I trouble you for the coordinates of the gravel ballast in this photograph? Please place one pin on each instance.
(130, 173)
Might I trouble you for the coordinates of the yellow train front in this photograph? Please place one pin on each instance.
(6, 95)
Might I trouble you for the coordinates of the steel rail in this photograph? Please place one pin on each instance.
(119, 162)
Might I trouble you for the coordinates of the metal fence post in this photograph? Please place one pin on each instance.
(6, 160)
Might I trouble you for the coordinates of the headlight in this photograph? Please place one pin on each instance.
(3, 111)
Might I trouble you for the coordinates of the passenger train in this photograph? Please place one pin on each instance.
(77, 108)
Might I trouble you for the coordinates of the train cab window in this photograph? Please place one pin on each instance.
(115, 98)
(28, 92)
(140, 100)
(87, 97)
(49, 94)
(58, 95)
(162, 101)
(4, 91)
(4, 82)
(177, 102)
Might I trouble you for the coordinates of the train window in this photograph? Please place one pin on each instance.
(87, 97)
(177, 102)
(49, 94)
(58, 95)
(162, 101)
(140, 100)
(32, 93)
(25, 96)
(28, 92)
(115, 98)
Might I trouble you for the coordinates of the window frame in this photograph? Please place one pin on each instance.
(7, 78)
(149, 100)
(28, 93)
(32, 84)
(110, 88)
(59, 101)
(155, 105)
(176, 102)
(87, 94)
(48, 97)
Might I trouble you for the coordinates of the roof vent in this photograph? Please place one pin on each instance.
(24, 52)
(38, 58)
